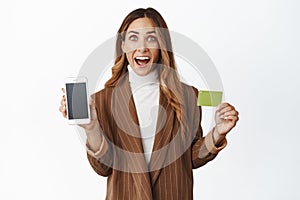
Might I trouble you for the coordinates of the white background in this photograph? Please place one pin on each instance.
(254, 45)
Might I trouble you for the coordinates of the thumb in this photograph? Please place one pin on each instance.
(93, 107)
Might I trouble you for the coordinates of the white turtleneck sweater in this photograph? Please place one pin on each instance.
(145, 90)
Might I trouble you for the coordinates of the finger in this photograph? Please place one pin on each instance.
(63, 90)
(63, 102)
(63, 110)
(229, 113)
(93, 107)
(64, 114)
(60, 108)
(92, 100)
(233, 118)
(221, 106)
(224, 110)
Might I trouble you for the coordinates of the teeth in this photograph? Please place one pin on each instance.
(142, 58)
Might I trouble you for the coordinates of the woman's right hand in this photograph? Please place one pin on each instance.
(94, 123)
(93, 130)
(90, 127)
(62, 107)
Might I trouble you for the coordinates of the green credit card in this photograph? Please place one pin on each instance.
(209, 98)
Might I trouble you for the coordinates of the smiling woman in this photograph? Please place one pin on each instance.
(141, 46)
(145, 32)
(145, 132)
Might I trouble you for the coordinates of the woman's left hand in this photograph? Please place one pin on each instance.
(225, 117)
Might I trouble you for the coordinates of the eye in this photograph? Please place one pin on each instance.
(133, 38)
(151, 38)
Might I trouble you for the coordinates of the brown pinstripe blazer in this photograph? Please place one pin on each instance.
(178, 148)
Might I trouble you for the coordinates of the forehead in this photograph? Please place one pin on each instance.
(142, 25)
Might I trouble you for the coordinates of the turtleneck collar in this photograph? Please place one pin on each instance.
(150, 78)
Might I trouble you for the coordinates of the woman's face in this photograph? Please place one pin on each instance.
(141, 45)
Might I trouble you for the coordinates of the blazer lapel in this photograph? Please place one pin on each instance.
(129, 137)
(164, 128)
(125, 116)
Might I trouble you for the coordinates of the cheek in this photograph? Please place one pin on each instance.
(129, 57)
(155, 53)
(129, 47)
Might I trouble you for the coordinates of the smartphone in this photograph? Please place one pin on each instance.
(78, 109)
(209, 98)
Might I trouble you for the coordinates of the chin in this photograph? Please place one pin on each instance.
(142, 71)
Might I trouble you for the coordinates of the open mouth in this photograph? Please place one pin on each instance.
(142, 61)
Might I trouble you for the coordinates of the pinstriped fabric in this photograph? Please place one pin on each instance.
(133, 144)
(171, 181)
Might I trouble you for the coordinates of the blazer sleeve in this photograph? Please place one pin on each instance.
(203, 148)
(101, 160)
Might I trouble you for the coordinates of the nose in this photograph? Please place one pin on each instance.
(142, 46)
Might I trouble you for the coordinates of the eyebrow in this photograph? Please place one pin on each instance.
(135, 32)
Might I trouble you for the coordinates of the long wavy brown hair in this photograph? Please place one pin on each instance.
(169, 80)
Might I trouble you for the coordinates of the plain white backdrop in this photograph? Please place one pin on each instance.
(254, 45)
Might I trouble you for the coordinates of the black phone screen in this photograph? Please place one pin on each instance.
(77, 100)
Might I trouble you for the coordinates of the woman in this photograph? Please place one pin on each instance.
(145, 134)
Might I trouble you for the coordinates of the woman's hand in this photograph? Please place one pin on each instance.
(93, 129)
(62, 107)
(93, 125)
(226, 118)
